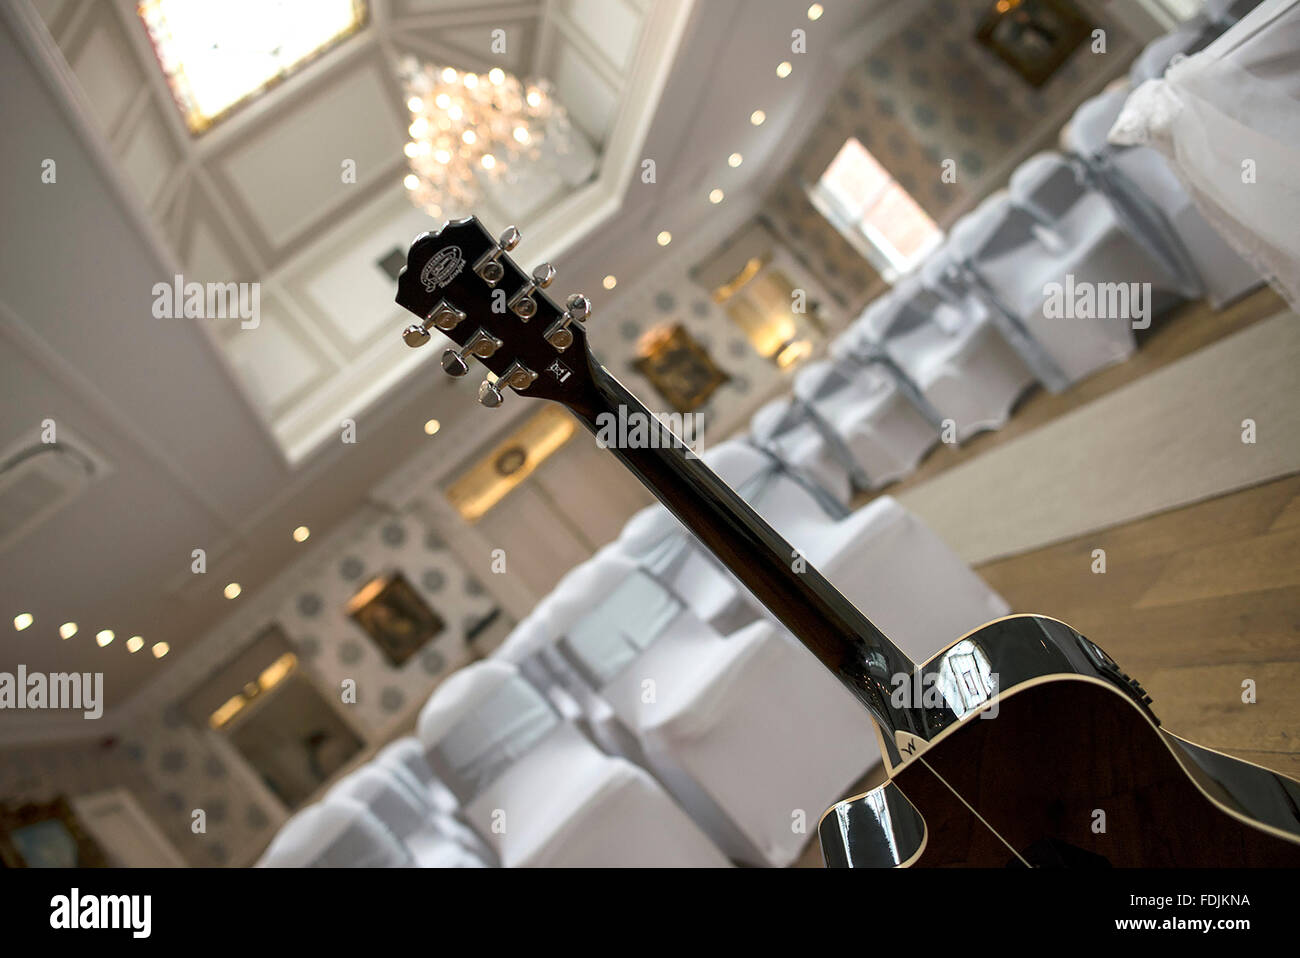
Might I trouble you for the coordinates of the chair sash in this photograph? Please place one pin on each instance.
(870, 354)
(1142, 218)
(802, 410)
(1014, 331)
(752, 489)
(619, 628)
(498, 732)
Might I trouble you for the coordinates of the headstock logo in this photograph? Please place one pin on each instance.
(445, 266)
(559, 370)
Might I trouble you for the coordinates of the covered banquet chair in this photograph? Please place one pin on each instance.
(1225, 119)
(434, 840)
(955, 360)
(873, 421)
(1148, 194)
(538, 791)
(338, 834)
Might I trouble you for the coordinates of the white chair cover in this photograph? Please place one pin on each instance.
(750, 724)
(884, 560)
(728, 714)
(791, 432)
(428, 836)
(338, 834)
(1007, 255)
(886, 434)
(407, 755)
(1046, 187)
(1226, 120)
(1155, 56)
(659, 543)
(956, 359)
(556, 800)
(786, 504)
(1139, 180)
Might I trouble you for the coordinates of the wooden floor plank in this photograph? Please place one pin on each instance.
(1269, 561)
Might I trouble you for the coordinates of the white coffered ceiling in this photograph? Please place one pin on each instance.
(262, 196)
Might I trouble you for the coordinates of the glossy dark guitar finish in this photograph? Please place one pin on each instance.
(1073, 771)
(1073, 736)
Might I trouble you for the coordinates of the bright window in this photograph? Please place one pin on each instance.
(868, 205)
(218, 53)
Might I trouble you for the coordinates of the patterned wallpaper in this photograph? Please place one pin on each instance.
(173, 768)
(927, 93)
(334, 648)
(667, 294)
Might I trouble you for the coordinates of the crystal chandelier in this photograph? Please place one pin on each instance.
(468, 131)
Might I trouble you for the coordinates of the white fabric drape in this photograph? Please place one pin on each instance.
(1228, 119)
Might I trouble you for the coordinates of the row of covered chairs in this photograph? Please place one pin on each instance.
(649, 711)
(1043, 282)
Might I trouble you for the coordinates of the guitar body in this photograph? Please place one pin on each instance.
(1070, 770)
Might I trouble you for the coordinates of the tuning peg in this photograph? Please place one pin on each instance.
(517, 376)
(453, 364)
(415, 335)
(482, 344)
(543, 275)
(488, 266)
(445, 316)
(577, 307)
(489, 394)
(522, 302)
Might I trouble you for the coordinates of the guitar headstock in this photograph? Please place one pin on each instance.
(462, 282)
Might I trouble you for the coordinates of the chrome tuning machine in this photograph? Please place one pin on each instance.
(522, 303)
(576, 307)
(517, 376)
(488, 266)
(482, 344)
(444, 316)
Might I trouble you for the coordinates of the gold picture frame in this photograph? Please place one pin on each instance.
(1034, 37)
(395, 617)
(678, 367)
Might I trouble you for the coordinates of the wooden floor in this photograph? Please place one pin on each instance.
(1195, 602)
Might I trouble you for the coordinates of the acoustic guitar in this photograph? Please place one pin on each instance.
(1020, 744)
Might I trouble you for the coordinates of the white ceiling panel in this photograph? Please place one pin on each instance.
(477, 42)
(288, 170)
(208, 260)
(277, 359)
(350, 291)
(149, 156)
(108, 72)
(611, 25)
(590, 101)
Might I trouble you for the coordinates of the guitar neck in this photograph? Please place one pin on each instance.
(813, 610)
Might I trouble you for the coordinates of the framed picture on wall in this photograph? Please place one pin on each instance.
(1033, 36)
(46, 835)
(678, 367)
(394, 616)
